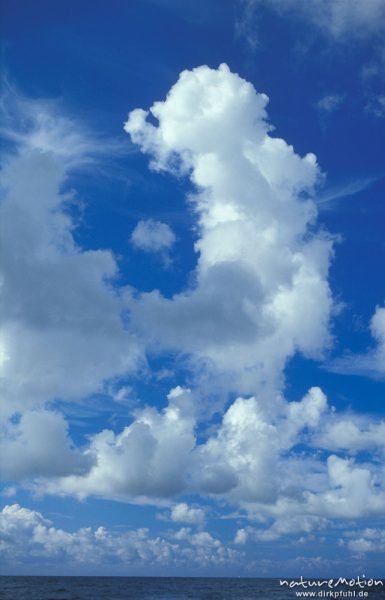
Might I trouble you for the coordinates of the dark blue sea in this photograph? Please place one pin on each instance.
(164, 588)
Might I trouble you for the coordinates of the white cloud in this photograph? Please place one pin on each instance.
(376, 105)
(204, 538)
(284, 525)
(353, 434)
(355, 490)
(329, 103)
(339, 19)
(40, 125)
(39, 445)
(345, 17)
(27, 534)
(241, 536)
(243, 458)
(367, 540)
(261, 290)
(372, 362)
(61, 331)
(250, 461)
(149, 459)
(183, 533)
(377, 326)
(152, 236)
(338, 23)
(259, 295)
(329, 195)
(182, 513)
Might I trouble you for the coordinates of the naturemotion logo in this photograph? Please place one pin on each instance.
(327, 588)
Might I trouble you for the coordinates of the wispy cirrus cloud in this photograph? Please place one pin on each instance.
(42, 125)
(331, 195)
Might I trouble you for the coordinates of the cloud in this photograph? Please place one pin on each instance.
(243, 460)
(372, 79)
(329, 195)
(152, 236)
(329, 103)
(370, 363)
(339, 19)
(356, 490)
(346, 17)
(41, 125)
(241, 537)
(182, 513)
(337, 24)
(28, 452)
(251, 460)
(149, 459)
(260, 290)
(26, 535)
(283, 526)
(353, 434)
(366, 540)
(259, 294)
(61, 331)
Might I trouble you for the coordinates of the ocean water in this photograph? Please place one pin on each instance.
(161, 588)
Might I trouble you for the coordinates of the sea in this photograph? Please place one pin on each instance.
(169, 588)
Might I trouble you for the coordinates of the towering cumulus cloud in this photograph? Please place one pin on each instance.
(260, 292)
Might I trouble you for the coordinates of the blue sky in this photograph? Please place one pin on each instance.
(193, 321)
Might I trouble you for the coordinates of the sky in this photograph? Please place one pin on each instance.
(192, 335)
